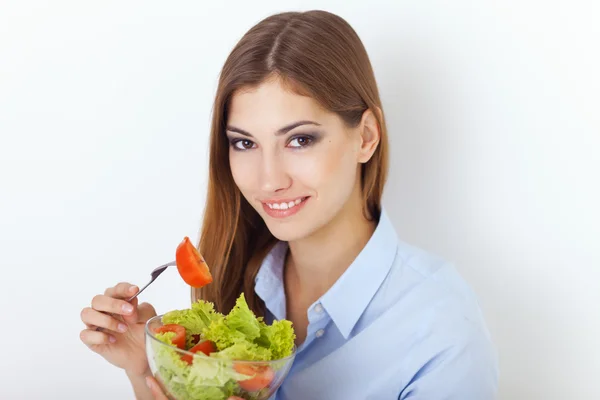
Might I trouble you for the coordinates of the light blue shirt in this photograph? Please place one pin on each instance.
(400, 323)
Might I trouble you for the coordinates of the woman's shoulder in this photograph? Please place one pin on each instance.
(427, 279)
(428, 306)
(416, 278)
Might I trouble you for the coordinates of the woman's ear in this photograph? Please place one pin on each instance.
(370, 135)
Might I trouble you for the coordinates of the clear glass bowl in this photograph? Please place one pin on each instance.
(210, 377)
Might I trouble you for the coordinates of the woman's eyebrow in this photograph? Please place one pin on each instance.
(289, 127)
(281, 131)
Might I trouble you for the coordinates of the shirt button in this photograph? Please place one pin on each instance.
(320, 333)
(319, 308)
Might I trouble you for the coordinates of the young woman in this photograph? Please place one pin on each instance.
(298, 160)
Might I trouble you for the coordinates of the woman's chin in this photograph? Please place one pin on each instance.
(289, 232)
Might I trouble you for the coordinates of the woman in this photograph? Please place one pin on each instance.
(298, 160)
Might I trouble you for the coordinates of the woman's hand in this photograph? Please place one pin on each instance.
(121, 340)
(159, 395)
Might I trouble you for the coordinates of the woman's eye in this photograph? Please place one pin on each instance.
(243, 144)
(300, 141)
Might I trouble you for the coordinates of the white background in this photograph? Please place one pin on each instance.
(493, 110)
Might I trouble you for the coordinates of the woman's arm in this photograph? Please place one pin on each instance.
(140, 387)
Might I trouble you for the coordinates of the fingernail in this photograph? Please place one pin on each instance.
(122, 327)
(112, 339)
(132, 289)
(127, 308)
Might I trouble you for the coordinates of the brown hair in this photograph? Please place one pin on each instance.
(314, 53)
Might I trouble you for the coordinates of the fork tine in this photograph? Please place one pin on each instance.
(155, 274)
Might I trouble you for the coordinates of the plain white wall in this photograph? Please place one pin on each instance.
(494, 127)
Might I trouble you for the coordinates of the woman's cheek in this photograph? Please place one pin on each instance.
(308, 171)
(318, 170)
(242, 171)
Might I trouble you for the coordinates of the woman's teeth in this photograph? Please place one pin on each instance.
(285, 206)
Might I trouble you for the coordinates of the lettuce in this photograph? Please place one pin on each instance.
(205, 379)
(244, 351)
(278, 338)
(194, 320)
(239, 335)
(239, 326)
(242, 319)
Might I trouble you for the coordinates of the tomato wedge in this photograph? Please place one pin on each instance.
(179, 339)
(205, 346)
(191, 265)
(263, 376)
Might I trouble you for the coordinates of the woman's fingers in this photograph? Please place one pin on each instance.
(110, 311)
(119, 292)
(93, 318)
(155, 389)
(112, 305)
(91, 337)
(122, 290)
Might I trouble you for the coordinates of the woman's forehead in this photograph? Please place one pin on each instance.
(272, 104)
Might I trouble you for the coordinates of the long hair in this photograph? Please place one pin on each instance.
(314, 53)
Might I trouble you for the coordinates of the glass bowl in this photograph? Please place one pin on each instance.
(195, 376)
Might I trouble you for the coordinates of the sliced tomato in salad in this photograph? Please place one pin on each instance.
(179, 339)
(191, 265)
(205, 346)
(263, 375)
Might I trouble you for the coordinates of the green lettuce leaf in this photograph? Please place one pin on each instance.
(243, 320)
(278, 338)
(194, 320)
(240, 325)
(166, 337)
(222, 335)
(205, 379)
(244, 350)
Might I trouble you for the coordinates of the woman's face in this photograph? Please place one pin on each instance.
(294, 162)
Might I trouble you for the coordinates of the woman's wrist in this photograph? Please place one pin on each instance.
(139, 385)
(137, 375)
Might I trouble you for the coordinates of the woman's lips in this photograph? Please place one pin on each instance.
(285, 207)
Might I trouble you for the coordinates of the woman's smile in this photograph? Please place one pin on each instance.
(283, 208)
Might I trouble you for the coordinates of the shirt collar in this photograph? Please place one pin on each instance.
(350, 295)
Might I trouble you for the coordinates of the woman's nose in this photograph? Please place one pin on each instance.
(274, 176)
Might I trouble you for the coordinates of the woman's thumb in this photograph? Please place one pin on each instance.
(155, 389)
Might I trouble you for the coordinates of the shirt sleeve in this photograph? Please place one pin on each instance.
(462, 371)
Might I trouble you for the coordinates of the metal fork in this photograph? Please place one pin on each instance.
(154, 274)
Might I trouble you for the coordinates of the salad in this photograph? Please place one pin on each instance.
(202, 354)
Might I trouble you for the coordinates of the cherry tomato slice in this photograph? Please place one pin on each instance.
(205, 346)
(179, 339)
(191, 265)
(263, 376)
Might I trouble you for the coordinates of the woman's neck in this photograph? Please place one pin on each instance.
(315, 263)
